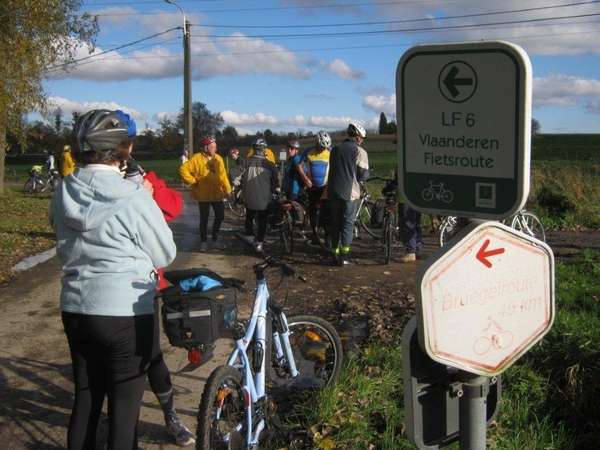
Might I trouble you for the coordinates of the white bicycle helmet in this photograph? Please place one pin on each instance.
(100, 130)
(259, 145)
(323, 139)
(355, 129)
(293, 144)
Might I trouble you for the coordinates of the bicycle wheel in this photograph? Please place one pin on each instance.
(236, 202)
(389, 227)
(222, 419)
(318, 354)
(322, 229)
(287, 233)
(51, 184)
(530, 224)
(446, 229)
(29, 187)
(364, 217)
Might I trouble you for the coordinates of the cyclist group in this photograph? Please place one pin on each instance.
(110, 220)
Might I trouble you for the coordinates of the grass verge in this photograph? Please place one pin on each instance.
(550, 396)
(24, 229)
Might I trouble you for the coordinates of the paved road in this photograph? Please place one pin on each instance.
(35, 376)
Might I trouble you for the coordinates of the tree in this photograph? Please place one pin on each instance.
(383, 124)
(536, 126)
(204, 122)
(35, 37)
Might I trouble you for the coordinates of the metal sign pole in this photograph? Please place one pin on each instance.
(472, 414)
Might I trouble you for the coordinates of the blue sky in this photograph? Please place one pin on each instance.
(307, 65)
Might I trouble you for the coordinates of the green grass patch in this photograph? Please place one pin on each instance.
(24, 229)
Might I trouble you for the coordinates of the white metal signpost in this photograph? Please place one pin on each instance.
(486, 299)
(464, 133)
(464, 126)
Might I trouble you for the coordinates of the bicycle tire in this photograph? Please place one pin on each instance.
(287, 234)
(236, 203)
(388, 236)
(529, 224)
(364, 218)
(224, 387)
(318, 353)
(446, 229)
(29, 187)
(322, 228)
(51, 184)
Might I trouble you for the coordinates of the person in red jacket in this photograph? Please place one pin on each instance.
(170, 203)
(207, 175)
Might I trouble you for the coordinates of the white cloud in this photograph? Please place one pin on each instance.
(68, 107)
(537, 26)
(340, 69)
(258, 118)
(381, 104)
(564, 90)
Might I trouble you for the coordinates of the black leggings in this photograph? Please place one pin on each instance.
(204, 208)
(110, 357)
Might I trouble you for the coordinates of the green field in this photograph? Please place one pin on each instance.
(564, 192)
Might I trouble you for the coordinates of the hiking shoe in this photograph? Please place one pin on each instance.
(183, 436)
(408, 258)
(217, 244)
(335, 260)
(345, 260)
(203, 247)
(258, 246)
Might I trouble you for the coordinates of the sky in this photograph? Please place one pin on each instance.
(309, 65)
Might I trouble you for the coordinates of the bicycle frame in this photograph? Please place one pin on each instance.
(256, 334)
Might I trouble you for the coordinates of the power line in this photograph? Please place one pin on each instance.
(358, 33)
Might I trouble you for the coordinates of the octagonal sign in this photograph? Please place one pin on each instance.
(486, 298)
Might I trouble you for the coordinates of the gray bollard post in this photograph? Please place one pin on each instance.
(472, 411)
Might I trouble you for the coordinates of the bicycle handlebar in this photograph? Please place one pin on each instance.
(270, 261)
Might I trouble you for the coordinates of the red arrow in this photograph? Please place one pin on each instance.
(482, 255)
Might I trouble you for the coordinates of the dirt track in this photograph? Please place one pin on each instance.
(37, 391)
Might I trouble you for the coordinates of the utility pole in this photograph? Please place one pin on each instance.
(188, 124)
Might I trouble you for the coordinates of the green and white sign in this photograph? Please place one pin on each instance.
(464, 128)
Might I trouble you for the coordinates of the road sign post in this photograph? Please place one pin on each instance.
(483, 301)
(464, 128)
(485, 298)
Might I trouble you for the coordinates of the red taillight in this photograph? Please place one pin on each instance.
(194, 356)
(287, 206)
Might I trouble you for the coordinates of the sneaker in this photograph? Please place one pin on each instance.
(258, 246)
(335, 260)
(408, 258)
(203, 247)
(345, 260)
(217, 244)
(183, 436)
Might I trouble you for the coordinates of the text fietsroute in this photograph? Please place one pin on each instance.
(462, 142)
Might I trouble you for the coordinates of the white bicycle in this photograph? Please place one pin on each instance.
(524, 221)
(275, 359)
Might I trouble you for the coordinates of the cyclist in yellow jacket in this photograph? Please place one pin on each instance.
(67, 165)
(207, 175)
(268, 153)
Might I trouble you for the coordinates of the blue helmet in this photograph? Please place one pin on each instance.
(129, 121)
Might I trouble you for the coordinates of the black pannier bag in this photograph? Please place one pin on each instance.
(199, 308)
(377, 213)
